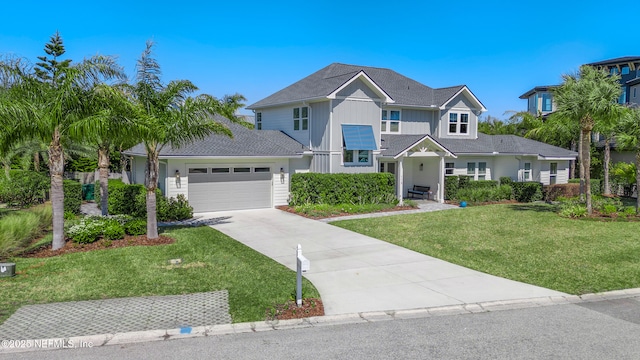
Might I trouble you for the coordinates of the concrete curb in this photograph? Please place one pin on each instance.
(76, 342)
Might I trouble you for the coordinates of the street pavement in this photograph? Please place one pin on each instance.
(599, 329)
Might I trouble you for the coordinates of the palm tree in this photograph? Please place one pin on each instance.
(167, 115)
(108, 129)
(587, 98)
(629, 138)
(43, 103)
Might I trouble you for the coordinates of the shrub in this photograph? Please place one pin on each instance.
(505, 180)
(609, 209)
(553, 192)
(88, 230)
(314, 188)
(72, 196)
(463, 182)
(596, 187)
(114, 231)
(481, 184)
(527, 191)
(451, 187)
(18, 228)
(574, 211)
(23, 188)
(136, 227)
(174, 209)
(486, 194)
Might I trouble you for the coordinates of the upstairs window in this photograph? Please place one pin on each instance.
(533, 104)
(301, 118)
(547, 102)
(390, 121)
(624, 70)
(458, 123)
(259, 121)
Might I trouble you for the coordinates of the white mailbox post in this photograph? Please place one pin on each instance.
(302, 265)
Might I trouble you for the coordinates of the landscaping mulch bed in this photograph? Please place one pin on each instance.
(71, 247)
(289, 310)
(293, 211)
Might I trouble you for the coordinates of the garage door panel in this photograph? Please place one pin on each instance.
(230, 195)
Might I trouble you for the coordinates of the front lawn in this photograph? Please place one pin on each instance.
(523, 242)
(211, 261)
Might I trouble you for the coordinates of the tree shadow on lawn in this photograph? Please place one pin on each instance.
(537, 207)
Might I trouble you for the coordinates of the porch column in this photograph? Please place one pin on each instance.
(441, 181)
(400, 182)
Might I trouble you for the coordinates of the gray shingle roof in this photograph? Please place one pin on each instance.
(245, 142)
(504, 144)
(394, 145)
(616, 61)
(403, 90)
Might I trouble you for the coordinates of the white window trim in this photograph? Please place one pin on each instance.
(259, 121)
(458, 122)
(388, 122)
(355, 158)
(453, 169)
(300, 119)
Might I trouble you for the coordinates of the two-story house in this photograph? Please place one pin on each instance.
(352, 119)
(540, 100)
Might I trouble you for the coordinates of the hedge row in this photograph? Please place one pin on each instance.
(462, 188)
(72, 196)
(332, 189)
(131, 199)
(23, 188)
(596, 185)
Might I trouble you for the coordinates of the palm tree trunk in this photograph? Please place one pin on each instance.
(56, 167)
(586, 166)
(607, 160)
(151, 182)
(637, 181)
(581, 158)
(572, 163)
(103, 166)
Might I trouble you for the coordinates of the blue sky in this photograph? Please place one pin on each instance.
(498, 49)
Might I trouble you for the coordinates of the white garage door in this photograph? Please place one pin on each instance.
(223, 187)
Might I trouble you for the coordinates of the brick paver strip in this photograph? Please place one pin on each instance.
(78, 318)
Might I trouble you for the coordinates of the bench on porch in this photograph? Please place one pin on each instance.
(420, 190)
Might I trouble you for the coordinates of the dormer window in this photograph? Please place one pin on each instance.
(458, 123)
(390, 122)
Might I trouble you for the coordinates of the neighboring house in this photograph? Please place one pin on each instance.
(352, 119)
(628, 68)
(540, 100)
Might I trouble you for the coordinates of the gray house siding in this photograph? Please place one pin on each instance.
(281, 118)
(415, 122)
(354, 112)
(320, 134)
(459, 104)
(358, 90)
(320, 163)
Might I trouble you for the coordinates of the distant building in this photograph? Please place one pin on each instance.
(540, 100)
(628, 68)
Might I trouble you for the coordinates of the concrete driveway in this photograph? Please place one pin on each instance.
(357, 273)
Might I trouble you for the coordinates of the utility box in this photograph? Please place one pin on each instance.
(7, 270)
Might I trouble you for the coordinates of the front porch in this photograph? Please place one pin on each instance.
(415, 161)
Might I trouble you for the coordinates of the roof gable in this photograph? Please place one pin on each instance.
(396, 87)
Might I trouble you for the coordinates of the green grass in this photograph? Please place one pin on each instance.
(528, 243)
(211, 261)
(326, 210)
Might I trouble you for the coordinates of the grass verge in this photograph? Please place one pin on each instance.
(523, 242)
(19, 227)
(326, 210)
(211, 261)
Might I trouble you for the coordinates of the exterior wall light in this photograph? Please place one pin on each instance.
(282, 175)
(421, 166)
